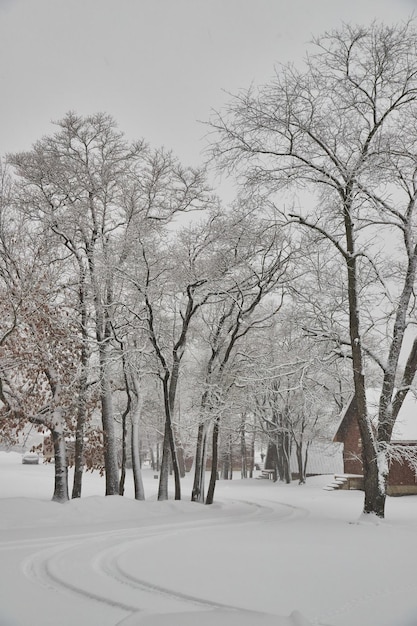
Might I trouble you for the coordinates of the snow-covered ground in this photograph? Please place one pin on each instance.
(265, 554)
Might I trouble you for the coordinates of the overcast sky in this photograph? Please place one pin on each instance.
(157, 66)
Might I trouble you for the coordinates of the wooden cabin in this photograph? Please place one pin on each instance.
(402, 478)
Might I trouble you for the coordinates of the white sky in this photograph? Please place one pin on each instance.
(157, 66)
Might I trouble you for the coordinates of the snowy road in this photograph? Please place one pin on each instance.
(108, 576)
(260, 553)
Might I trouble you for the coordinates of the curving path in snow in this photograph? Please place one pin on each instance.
(264, 554)
(110, 567)
(96, 560)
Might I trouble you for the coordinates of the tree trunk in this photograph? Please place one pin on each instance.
(300, 462)
(169, 451)
(171, 395)
(374, 483)
(79, 456)
(180, 453)
(287, 456)
(230, 458)
(124, 454)
(164, 470)
(214, 461)
(109, 434)
(272, 460)
(125, 415)
(137, 472)
(225, 466)
(227, 459)
(158, 457)
(306, 461)
(61, 493)
(283, 453)
(136, 402)
(104, 333)
(197, 494)
(154, 462)
(82, 390)
(252, 455)
(244, 464)
(79, 440)
(374, 496)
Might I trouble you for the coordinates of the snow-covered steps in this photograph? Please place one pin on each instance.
(345, 481)
(337, 483)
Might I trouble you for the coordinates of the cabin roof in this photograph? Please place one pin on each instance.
(405, 429)
(324, 457)
(346, 415)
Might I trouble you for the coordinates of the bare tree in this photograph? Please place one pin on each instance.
(344, 129)
(94, 190)
(173, 285)
(256, 259)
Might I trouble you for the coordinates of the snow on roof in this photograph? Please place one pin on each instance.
(405, 428)
(343, 415)
(323, 458)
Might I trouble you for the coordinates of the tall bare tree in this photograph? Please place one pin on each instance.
(173, 283)
(256, 258)
(94, 190)
(344, 130)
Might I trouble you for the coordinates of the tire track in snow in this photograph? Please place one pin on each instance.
(63, 567)
(292, 512)
(74, 568)
(108, 562)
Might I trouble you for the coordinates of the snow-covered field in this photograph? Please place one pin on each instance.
(265, 554)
